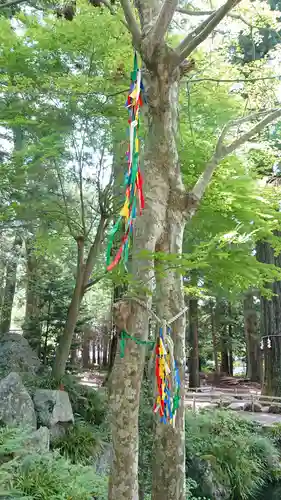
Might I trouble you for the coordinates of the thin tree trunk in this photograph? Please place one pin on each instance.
(118, 293)
(252, 339)
(86, 349)
(99, 354)
(194, 378)
(111, 355)
(10, 286)
(2, 285)
(44, 354)
(270, 324)
(94, 352)
(32, 326)
(84, 271)
(230, 355)
(221, 313)
(214, 339)
(65, 339)
(105, 349)
(224, 354)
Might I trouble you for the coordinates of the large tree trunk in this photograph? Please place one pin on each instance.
(194, 378)
(127, 372)
(159, 229)
(10, 286)
(168, 480)
(270, 324)
(32, 326)
(254, 366)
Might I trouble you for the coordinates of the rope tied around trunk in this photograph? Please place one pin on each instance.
(167, 378)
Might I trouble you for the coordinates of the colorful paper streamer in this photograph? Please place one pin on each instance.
(167, 383)
(134, 199)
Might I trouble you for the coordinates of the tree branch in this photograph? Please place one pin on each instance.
(107, 4)
(234, 80)
(95, 281)
(132, 24)
(271, 117)
(94, 252)
(11, 3)
(163, 20)
(200, 13)
(221, 151)
(189, 44)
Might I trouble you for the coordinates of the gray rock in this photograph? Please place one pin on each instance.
(225, 402)
(103, 462)
(40, 440)
(201, 471)
(274, 408)
(239, 406)
(253, 406)
(53, 408)
(16, 406)
(16, 354)
(265, 409)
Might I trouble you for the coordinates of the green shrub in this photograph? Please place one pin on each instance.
(80, 444)
(46, 477)
(232, 450)
(191, 485)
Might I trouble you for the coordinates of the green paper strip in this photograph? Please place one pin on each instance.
(111, 239)
(125, 335)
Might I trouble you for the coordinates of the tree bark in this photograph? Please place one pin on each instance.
(99, 354)
(221, 312)
(32, 327)
(254, 366)
(214, 338)
(2, 284)
(230, 354)
(127, 372)
(10, 286)
(224, 354)
(159, 229)
(84, 271)
(270, 324)
(86, 349)
(194, 378)
(65, 339)
(94, 352)
(105, 348)
(111, 355)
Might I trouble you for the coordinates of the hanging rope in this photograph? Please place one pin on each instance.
(167, 378)
(133, 180)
